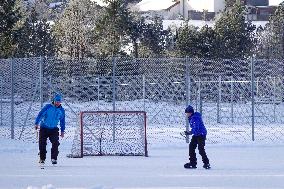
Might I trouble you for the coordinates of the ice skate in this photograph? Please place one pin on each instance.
(53, 161)
(41, 164)
(206, 166)
(190, 166)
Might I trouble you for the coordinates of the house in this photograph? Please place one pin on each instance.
(203, 9)
(258, 10)
(168, 9)
(188, 9)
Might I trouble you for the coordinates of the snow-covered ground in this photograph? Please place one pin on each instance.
(233, 166)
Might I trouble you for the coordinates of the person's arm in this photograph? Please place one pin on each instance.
(190, 131)
(62, 123)
(194, 124)
(40, 116)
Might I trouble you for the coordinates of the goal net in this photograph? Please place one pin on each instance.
(121, 133)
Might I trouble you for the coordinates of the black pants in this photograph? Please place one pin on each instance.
(200, 141)
(53, 135)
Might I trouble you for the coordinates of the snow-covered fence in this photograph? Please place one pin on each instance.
(234, 108)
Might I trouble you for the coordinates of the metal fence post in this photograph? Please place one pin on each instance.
(113, 97)
(144, 92)
(257, 87)
(113, 83)
(41, 61)
(1, 101)
(219, 99)
(274, 99)
(199, 96)
(232, 99)
(49, 81)
(252, 98)
(12, 99)
(98, 93)
(187, 93)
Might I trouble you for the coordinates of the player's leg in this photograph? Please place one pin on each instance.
(54, 139)
(201, 149)
(43, 135)
(192, 155)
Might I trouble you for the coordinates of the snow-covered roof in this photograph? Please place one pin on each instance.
(275, 2)
(147, 5)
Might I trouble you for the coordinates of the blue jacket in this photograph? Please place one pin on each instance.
(49, 117)
(197, 125)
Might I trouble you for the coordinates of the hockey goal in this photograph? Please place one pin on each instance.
(121, 133)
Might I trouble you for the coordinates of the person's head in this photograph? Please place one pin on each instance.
(57, 99)
(189, 110)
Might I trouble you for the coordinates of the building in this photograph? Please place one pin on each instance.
(168, 9)
(258, 10)
(188, 9)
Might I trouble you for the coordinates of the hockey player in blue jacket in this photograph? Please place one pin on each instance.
(198, 132)
(47, 121)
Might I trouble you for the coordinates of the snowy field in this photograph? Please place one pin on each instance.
(233, 166)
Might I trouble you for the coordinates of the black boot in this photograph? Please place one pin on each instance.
(53, 161)
(206, 166)
(190, 166)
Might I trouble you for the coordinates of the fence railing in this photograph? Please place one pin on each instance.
(240, 100)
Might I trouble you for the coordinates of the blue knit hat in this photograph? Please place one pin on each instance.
(189, 109)
(57, 98)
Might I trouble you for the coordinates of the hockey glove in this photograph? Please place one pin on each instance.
(62, 134)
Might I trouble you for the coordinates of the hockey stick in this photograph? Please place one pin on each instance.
(185, 133)
(182, 134)
(37, 135)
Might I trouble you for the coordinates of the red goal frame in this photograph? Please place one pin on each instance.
(112, 112)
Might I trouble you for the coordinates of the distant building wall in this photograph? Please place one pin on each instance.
(207, 9)
(196, 15)
(219, 5)
(209, 5)
(257, 2)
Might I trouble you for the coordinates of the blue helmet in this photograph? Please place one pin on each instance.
(57, 98)
(189, 109)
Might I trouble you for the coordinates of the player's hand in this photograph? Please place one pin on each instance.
(36, 127)
(62, 134)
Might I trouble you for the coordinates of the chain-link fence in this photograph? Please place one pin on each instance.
(240, 100)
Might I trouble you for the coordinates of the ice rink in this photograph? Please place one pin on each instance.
(233, 166)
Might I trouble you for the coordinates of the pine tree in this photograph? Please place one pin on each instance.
(134, 30)
(275, 33)
(235, 37)
(112, 28)
(207, 42)
(154, 39)
(9, 16)
(229, 3)
(35, 36)
(119, 28)
(73, 30)
(263, 44)
(187, 41)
